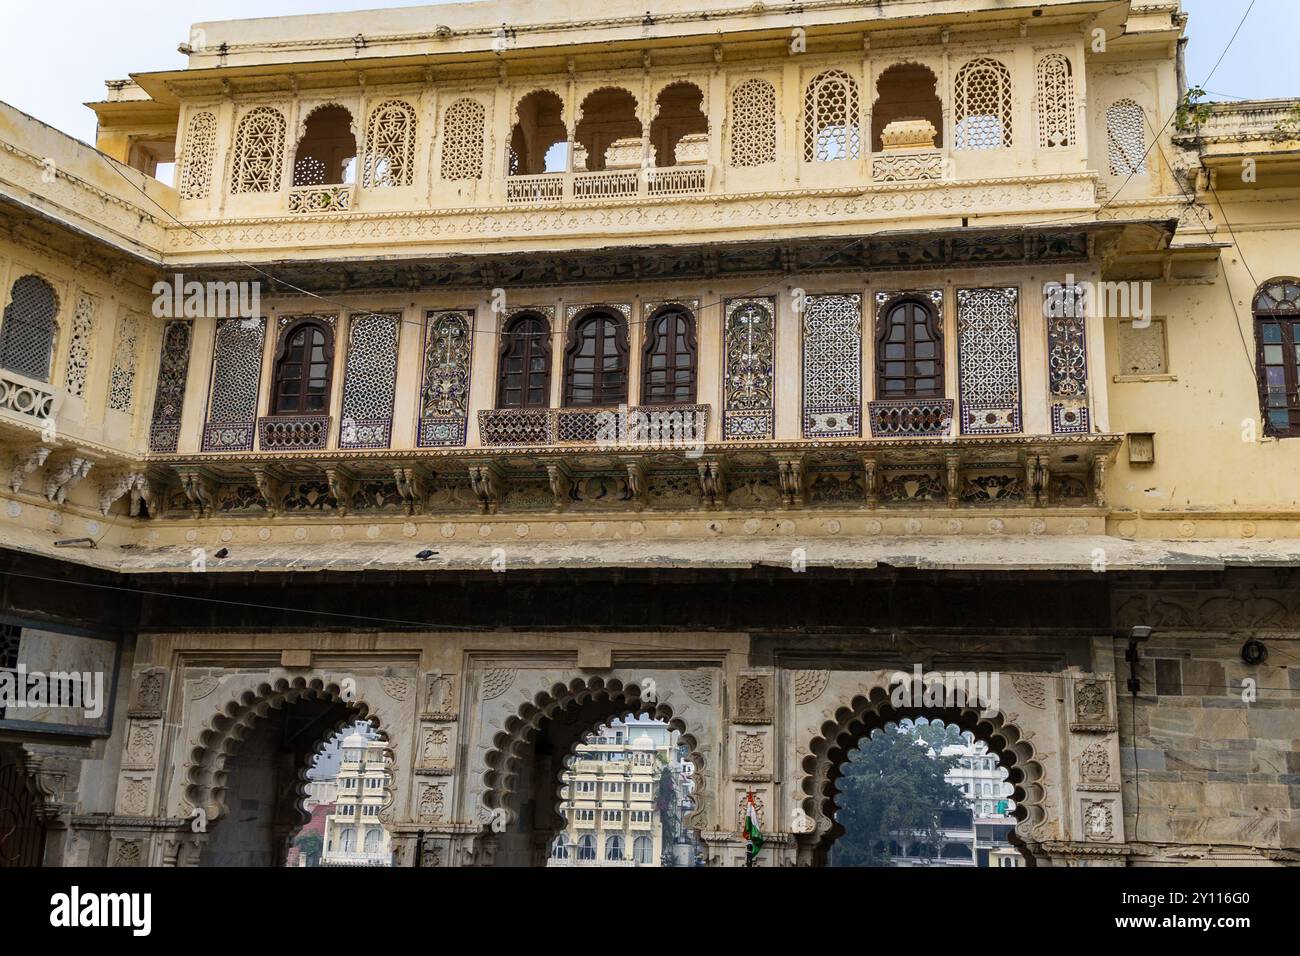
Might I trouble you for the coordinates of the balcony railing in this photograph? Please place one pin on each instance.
(26, 398)
(608, 184)
(651, 426)
(316, 199)
(299, 433)
(910, 418)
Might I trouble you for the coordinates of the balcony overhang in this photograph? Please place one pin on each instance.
(1028, 245)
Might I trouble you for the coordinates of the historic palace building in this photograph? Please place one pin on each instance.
(495, 371)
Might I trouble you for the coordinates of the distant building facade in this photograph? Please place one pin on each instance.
(354, 835)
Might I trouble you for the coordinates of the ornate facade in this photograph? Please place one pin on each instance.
(493, 384)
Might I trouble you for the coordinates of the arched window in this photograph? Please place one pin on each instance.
(1126, 138)
(348, 840)
(595, 363)
(679, 112)
(259, 152)
(372, 840)
(327, 152)
(614, 848)
(587, 847)
(668, 372)
(1056, 107)
(559, 849)
(524, 377)
(830, 118)
(983, 105)
(27, 335)
(302, 370)
(390, 145)
(1277, 344)
(462, 140)
(642, 849)
(753, 123)
(909, 351)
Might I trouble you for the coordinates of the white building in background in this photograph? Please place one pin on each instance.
(611, 798)
(353, 834)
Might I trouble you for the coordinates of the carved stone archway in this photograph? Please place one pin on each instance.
(205, 774)
(873, 710)
(578, 707)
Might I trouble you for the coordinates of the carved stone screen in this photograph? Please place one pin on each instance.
(83, 333)
(390, 145)
(749, 347)
(1067, 359)
(832, 129)
(169, 397)
(370, 381)
(444, 387)
(1126, 138)
(753, 123)
(1056, 106)
(121, 382)
(832, 365)
(259, 152)
(983, 105)
(236, 375)
(462, 140)
(988, 360)
(196, 163)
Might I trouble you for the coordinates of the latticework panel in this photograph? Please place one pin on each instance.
(462, 140)
(832, 365)
(83, 331)
(1126, 138)
(444, 389)
(983, 105)
(753, 123)
(749, 348)
(1056, 106)
(121, 380)
(259, 152)
(236, 375)
(390, 145)
(831, 127)
(1067, 346)
(988, 360)
(195, 181)
(169, 396)
(28, 333)
(370, 381)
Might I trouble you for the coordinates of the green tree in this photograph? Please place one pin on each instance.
(892, 785)
(310, 846)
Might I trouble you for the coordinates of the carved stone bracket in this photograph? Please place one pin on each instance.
(26, 462)
(871, 480)
(488, 484)
(713, 483)
(199, 489)
(1038, 478)
(269, 487)
(342, 483)
(561, 482)
(953, 463)
(636, 482)
(790, 472)
(62, 476)
(1099, 480)
(411, 486)
(116, 484)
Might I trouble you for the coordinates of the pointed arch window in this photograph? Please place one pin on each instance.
(1277, 345)
(595, 362)
(28, 331)
(668, 370)
(259, 152)
(303, 369)
(524, 376)
(390, 145)
(909, 351)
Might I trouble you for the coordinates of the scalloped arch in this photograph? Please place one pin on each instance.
(205, 772)
(865, 713)
(511, 743)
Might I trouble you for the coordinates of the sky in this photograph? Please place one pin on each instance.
(55, 55)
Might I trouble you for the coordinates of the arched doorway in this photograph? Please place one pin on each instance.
(22, 830)
(532, 786)
(838, 737)
(249, 773)
(923, 793)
